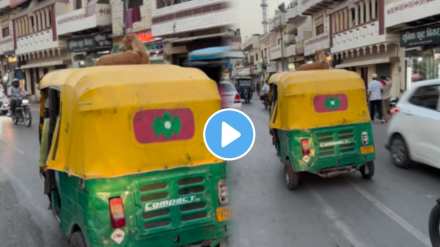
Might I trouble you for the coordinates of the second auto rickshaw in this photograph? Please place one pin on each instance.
(123, 157)
(320, 124)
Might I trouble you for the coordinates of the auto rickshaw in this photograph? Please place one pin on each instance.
(245, 87)
(320, 124)
(123, 157)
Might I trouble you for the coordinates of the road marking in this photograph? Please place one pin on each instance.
(394, 216)
(339, 223)
(16, 149)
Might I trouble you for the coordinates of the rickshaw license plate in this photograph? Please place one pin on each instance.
(367, 150)
(223, 214)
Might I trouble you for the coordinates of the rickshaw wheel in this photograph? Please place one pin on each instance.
(367, 170)
(77, 240)
(291, 177)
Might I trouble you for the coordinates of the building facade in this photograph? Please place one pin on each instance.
(359, 41)
(85, 28)
(188, 25)
(417, 25)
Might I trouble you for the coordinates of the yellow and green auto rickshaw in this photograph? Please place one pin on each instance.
(320, 124)
(123, 156)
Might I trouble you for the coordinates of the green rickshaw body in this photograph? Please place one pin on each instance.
(164, 208)
(333, 148)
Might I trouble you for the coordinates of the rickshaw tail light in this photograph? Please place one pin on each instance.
(305, 145)
(117, 215)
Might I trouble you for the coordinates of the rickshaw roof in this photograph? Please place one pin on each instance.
(100, 104)
(127, 80)
(276, 77)
(317, 80)
(303, 97)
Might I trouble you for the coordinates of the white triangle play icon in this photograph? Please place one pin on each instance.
(229, 134)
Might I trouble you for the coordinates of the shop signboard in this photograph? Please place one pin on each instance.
(422, 36)
(94, 42)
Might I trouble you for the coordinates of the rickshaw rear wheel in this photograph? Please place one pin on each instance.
(367, 170)
(77, 240)
(292, 178)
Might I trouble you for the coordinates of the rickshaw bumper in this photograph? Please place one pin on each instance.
(203, 235)
(336, 165)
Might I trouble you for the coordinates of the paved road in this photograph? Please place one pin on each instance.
(390, 211)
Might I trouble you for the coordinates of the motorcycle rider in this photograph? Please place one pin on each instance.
(16, 95)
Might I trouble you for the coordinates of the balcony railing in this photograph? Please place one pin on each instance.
(95, 14)
(6, 45)
(367, 34)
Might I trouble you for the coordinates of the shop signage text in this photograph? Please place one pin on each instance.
(421, 36)
(90, 43)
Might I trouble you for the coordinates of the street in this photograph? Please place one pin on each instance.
(391, 210)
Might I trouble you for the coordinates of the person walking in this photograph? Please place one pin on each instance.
(386, 96)
(375, 91)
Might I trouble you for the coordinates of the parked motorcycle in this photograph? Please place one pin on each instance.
(434, 225)
(23, 113)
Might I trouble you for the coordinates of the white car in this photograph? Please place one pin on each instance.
(414, 130)
(230, 96)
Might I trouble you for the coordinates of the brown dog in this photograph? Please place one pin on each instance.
(133, 52)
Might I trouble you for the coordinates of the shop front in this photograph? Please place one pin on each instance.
(422, 53)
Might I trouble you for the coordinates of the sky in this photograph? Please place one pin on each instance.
(250, 15)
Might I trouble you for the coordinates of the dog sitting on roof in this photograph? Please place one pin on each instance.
(132, 52)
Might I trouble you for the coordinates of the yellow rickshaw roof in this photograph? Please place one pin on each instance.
(101, 107)
(87, 79)
(301, 93)
(313, 81)
(276, 77)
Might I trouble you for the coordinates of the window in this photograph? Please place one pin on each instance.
(78, 4)
(135, 3)
(319, 25)
(427, 97)
(31, 24)
(353, 17)
(5, 32)
(320, 29)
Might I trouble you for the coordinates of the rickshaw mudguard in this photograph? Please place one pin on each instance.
(331, 147)
(85, 204)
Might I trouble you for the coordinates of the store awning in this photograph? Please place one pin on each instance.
(364, 62)
(44, 64)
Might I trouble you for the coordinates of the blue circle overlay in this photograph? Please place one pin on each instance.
(237, 120)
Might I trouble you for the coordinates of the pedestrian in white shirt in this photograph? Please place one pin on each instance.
(375, 90)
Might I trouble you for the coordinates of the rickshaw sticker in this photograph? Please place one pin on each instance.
(151, 126)
(151, 206)
(330, 103)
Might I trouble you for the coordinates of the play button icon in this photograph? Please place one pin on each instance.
(229, 134)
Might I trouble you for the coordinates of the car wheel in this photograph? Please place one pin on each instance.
(399, 152)
(367, 170)
(434, 226)
(77, 240)
(291, 177)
